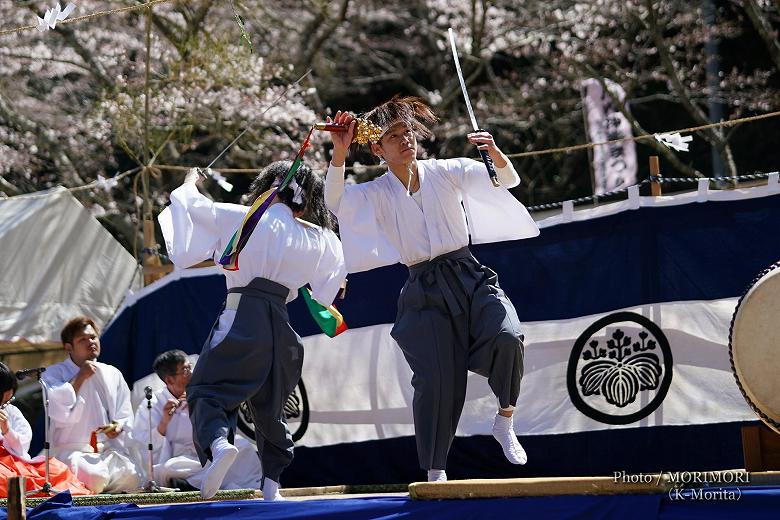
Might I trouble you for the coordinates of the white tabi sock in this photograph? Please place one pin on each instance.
(437, 475)
(223, 454)
(271, 490)
(505, 435)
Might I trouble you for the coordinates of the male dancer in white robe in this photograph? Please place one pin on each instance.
(253, 354)
(173, 451)
(452, 315)
(87, 396)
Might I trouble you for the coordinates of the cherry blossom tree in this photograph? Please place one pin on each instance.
(73, 101)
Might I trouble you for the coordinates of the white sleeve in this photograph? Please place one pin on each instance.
(334, 187)
(193, 225)
(507, 175)
(331, 270)
(17, 440)
(123, 413)
(140, 432)
(65, 406)
(493, 214)
(465, 173)
(356, 208)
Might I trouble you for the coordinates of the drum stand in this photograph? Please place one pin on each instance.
(47, 488)
(760, 448)
(151, 486)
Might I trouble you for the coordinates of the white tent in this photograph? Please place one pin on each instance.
(57, 262)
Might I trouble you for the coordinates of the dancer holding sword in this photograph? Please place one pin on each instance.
(453, 317)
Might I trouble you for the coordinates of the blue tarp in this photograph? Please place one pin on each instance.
(755, 503)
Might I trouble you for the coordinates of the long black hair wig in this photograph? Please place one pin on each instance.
(312, 196)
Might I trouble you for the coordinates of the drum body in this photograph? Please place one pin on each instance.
(754, 346)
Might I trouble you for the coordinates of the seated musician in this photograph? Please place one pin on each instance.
(173, 451)
(91, 415)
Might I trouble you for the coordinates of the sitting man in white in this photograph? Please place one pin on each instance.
(91, 415)
(173, 451)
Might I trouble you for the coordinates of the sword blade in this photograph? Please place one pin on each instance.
(462, 81)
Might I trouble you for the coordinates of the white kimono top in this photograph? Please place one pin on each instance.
(177, 440)
(380, 224)
(102, 398)
(281, 248)
(17, 440)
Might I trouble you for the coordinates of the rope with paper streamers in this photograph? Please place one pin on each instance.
(719, 124)
(102, 182)
(660, 136)
(110, 182)
(106, 183)
(150, 3)
(585, 146)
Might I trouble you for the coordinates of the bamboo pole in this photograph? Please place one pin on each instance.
(150, 260)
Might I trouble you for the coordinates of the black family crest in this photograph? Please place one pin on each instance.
(623, 374)
(296, 412)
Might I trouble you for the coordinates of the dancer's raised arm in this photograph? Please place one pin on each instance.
(334, 181)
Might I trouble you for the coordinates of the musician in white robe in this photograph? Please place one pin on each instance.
(173, 454)
(91, 414)
(453, 317)
(252, 353)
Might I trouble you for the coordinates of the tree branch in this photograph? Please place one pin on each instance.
(171, 30)
(714, 136)
(13, 119)
(307, 53)
(195, 23)
(764, 29)
(69, 36)
(55, 60)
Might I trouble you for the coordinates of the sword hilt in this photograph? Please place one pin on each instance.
(490, 167)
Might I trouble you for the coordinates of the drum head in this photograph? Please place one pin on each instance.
(754, 346)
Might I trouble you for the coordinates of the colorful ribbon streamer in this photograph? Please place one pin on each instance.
(329, 319)
(229, 259)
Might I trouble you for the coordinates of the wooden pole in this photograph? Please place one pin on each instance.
(17, 503)
(150, 259)
(655, 176)
(583, 95)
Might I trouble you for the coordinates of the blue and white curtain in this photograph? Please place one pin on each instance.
(626, 310)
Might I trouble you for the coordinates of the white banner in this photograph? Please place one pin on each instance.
(664, 364)
(614, 165)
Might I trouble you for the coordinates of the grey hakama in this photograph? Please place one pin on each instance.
(453, 317)
(258, 361)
